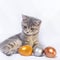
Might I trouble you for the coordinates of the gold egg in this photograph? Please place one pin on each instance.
(50, 52)
(25, 50)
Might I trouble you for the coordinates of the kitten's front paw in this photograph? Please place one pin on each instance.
(6, 51)
(7, 54)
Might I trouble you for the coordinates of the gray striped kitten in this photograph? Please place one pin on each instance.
(28, 36)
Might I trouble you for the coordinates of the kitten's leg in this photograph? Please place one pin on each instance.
(29, 42)
(36, 43)
(11, 46)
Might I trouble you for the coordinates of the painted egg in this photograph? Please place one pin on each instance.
(50, 52)
(25, 50)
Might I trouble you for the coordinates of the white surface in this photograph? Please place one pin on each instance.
(47, 10)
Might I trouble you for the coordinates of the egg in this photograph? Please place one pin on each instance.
(25, 50)
(50, 52)
(38, 51)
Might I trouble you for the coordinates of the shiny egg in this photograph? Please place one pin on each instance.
(25, 50)
(50, 52)
(38, 52)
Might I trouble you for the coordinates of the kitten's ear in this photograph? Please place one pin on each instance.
(37, 22)
(24, 17)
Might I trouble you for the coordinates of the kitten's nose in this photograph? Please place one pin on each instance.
(27, 32)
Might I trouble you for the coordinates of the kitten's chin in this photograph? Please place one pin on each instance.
(29, 34)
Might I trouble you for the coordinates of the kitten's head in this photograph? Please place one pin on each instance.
(30, 25)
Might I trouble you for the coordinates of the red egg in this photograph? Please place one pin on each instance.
(50, 52)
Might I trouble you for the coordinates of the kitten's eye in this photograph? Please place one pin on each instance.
(25, 26)
(32, 29)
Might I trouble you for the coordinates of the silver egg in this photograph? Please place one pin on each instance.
(38, 51)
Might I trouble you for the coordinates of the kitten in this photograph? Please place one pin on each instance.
(28, 36)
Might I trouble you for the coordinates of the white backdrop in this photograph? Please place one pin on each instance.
(46, 10)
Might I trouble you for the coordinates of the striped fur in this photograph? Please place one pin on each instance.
(11, 45)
